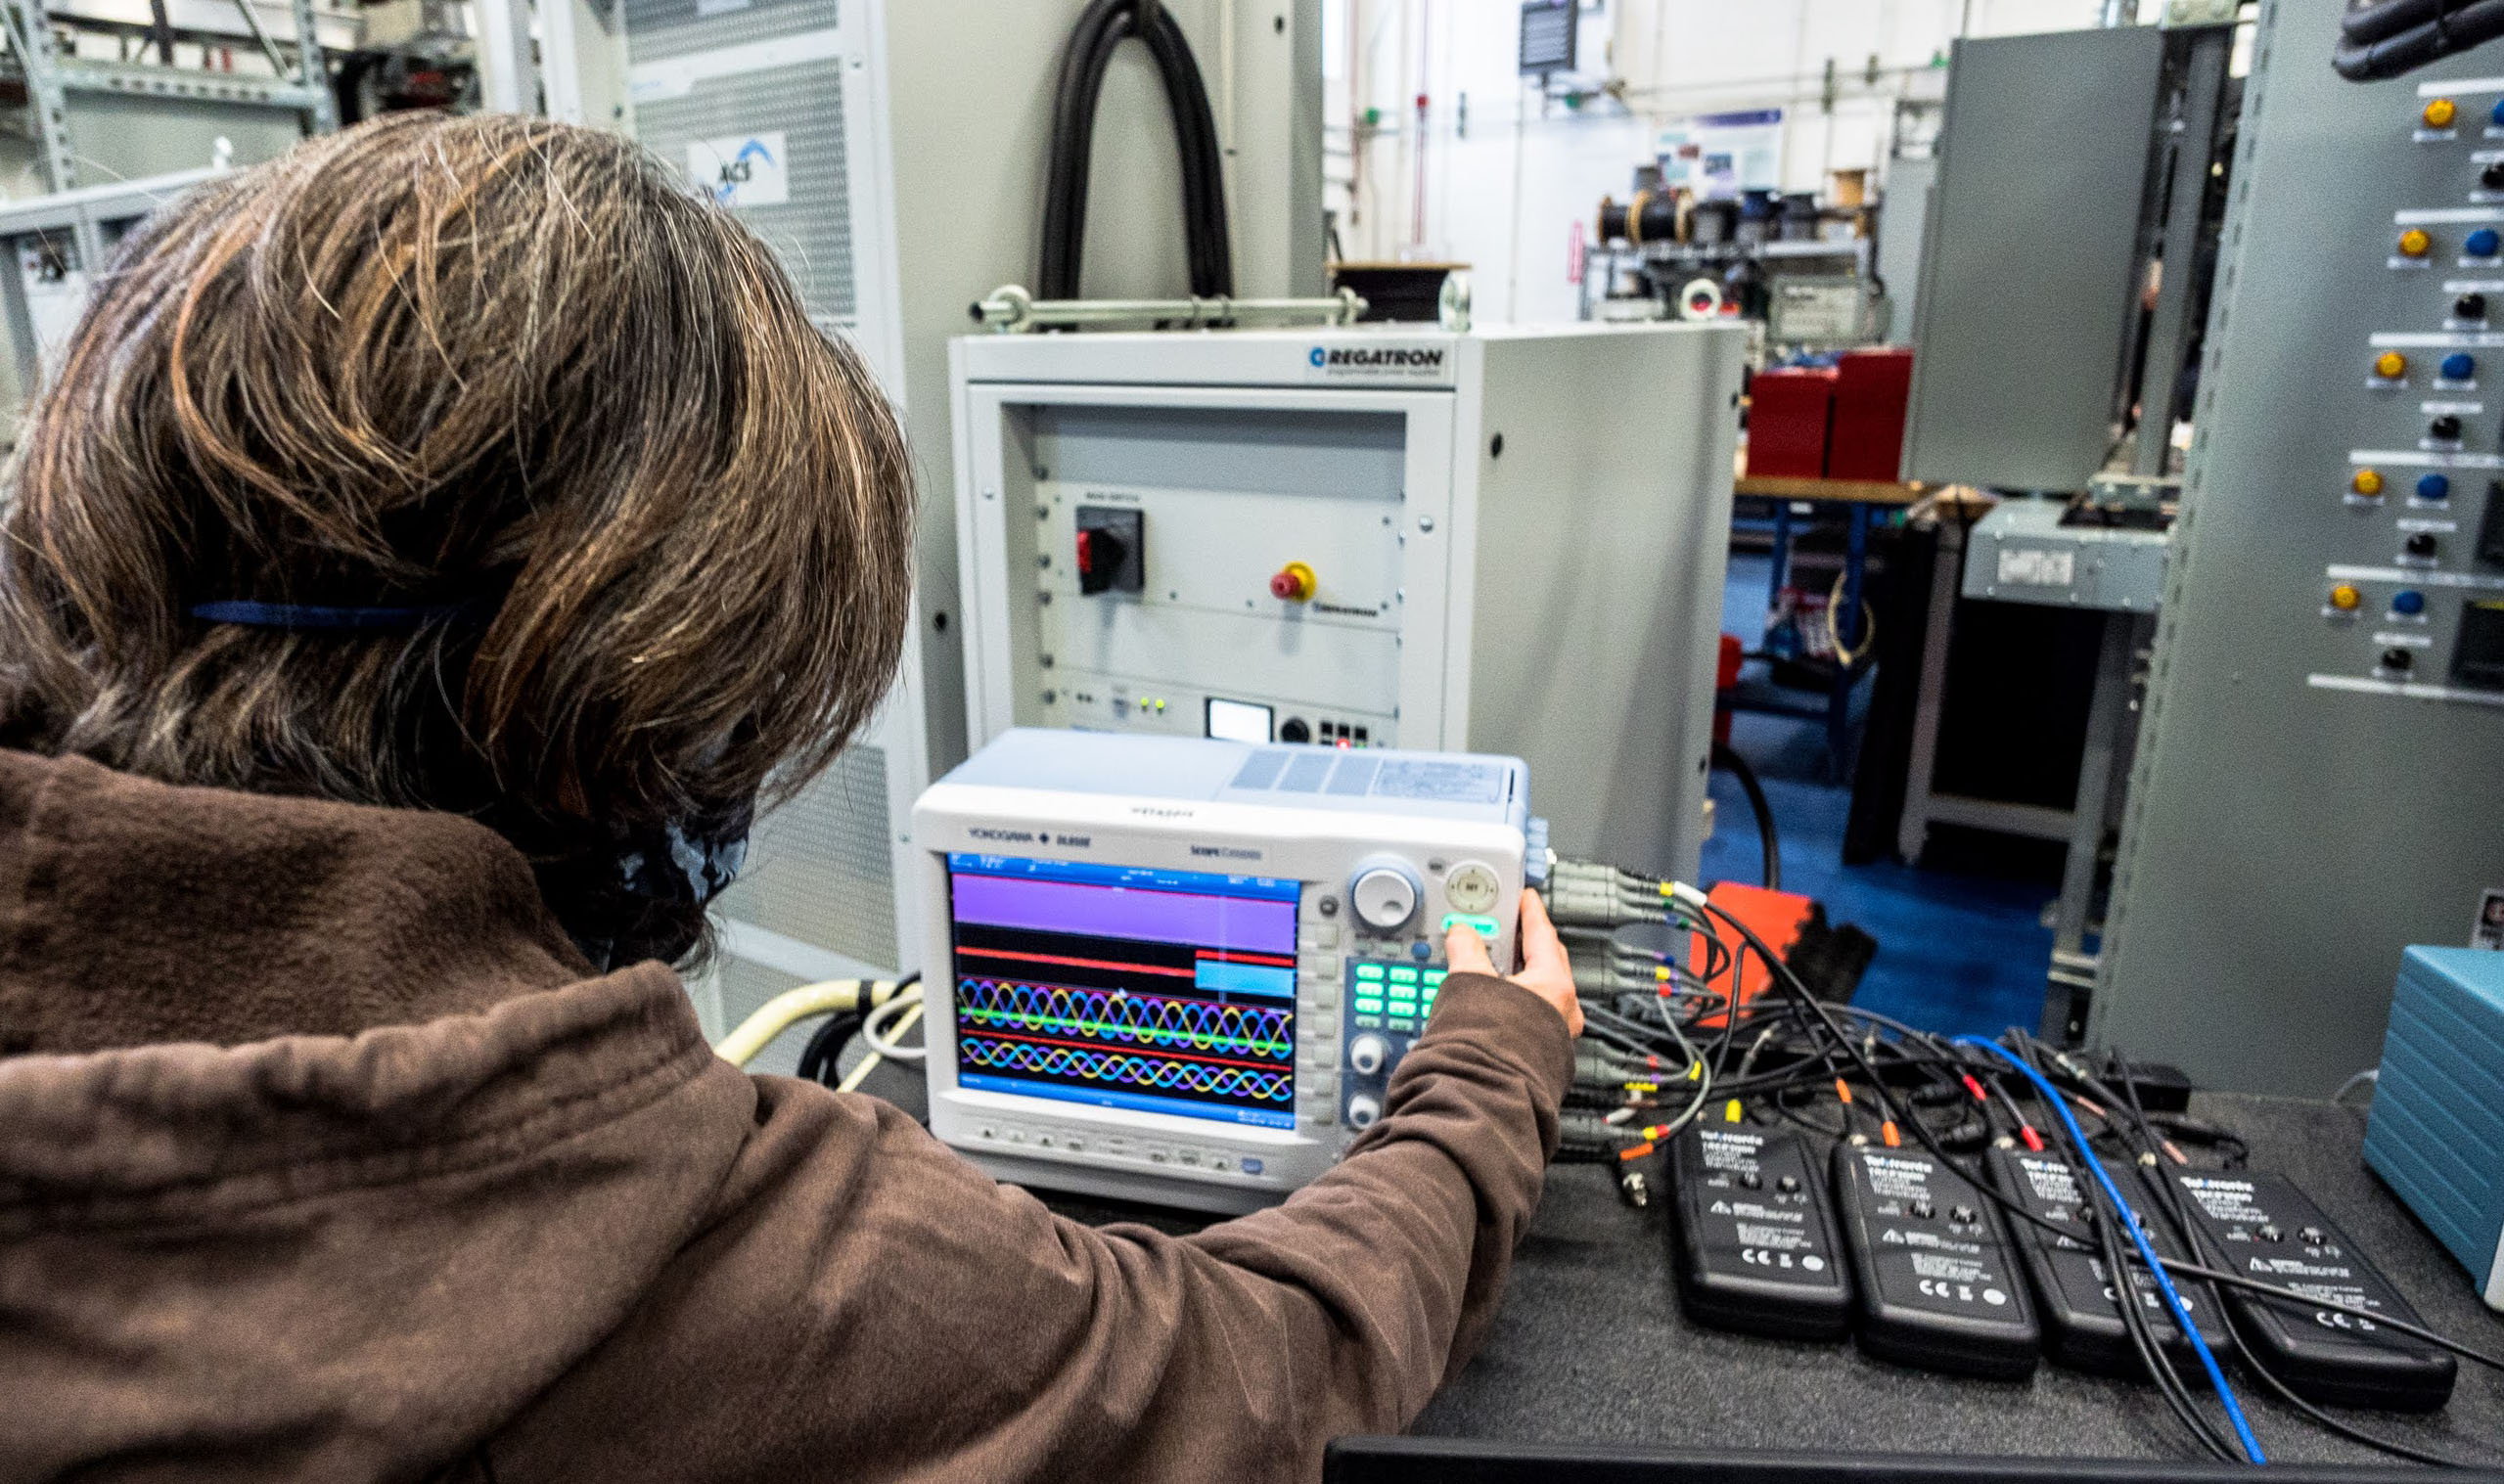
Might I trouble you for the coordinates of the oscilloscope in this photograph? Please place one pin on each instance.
(1182, 969)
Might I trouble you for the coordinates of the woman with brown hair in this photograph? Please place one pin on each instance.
(433, 547)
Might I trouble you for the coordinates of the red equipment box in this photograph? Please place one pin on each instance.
(1867, 438)
(1788, 415)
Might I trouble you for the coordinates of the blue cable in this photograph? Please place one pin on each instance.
(2139, 1239)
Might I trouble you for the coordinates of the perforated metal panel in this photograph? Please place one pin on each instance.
(745, 989)
(818, 868)
(758, 69)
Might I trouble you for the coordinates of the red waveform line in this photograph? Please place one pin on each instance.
(1048, 958)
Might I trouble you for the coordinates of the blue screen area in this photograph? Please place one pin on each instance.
(1166, 991)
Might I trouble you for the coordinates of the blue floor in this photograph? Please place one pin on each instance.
(1960, 954)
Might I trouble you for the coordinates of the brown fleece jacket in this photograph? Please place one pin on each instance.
(323, 1155)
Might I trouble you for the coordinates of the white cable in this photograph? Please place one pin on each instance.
(860, 1073)
(877, 1037)
(1845, 655)
(2371, 1077)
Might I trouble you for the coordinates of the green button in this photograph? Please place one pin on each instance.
(1487, 927)
(1403, 974)
(1369, 970)
(1369, 1007)
(1403, 991)
(1369, 1022)
(1434, 976)
(1406, 1025)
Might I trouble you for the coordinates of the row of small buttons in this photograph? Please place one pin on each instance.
(2431, 489)
(1046, 1141)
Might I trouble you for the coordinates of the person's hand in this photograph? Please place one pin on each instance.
(1544, 970)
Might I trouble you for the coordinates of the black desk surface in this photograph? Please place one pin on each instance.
(1590, 1347)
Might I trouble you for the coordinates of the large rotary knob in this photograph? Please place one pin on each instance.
(1384, 895)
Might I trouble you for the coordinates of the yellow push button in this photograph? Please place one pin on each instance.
(2344, 598)
(2440, 114)
(2414, 243)
(2390, 365)
(2366, 481)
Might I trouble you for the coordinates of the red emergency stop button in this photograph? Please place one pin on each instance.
(1293, 583)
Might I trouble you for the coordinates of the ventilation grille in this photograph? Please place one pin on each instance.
(1358, 774)
(819, 870)
(812, 230)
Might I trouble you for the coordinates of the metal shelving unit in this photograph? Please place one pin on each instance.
(300, 83)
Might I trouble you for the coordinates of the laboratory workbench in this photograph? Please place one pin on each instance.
(1590, 1347)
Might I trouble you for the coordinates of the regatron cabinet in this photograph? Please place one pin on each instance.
(1504, 540)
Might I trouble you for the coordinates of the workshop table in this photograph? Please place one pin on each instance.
(1864, 501)
(1590, 1347)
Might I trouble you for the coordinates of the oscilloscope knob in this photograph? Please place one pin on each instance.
(1362, 1111)
(1367, 1053)
(1386, 893)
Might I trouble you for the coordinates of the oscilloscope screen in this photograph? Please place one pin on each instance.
(1165, 991)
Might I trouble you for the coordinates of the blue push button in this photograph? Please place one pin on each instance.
(2460, 365)
(1420, 951)
(2482, 242)
(2433, 487)
(2408, 602)
(1252, 1164)
(2496, 115)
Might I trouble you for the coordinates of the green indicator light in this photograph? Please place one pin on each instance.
(1403, 974)
(1486, 927)
(1369, 970)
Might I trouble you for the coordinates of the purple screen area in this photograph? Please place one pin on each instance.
(1119, 912)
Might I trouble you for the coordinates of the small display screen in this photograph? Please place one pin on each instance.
(1167, 991)
(1238, 721)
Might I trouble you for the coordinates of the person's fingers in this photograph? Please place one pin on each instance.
(1466, 952)
(1542, 950)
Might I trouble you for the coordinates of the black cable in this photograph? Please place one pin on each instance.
(1099, 32)
(2400, 36)
(2172, 1201)
(2134, 1319)
(826, 1046)
(1728, 760)
(1783, 975)
(819, 1059)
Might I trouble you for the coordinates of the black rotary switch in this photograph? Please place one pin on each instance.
(2493, 177)
(2398, 659)
(2470, 306)
(2445, 429)
(2420, 544)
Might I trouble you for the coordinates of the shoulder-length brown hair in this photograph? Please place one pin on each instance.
(496, 368)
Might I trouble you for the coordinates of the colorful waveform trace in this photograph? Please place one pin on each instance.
(1163, 1023)
(1161, 1074)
